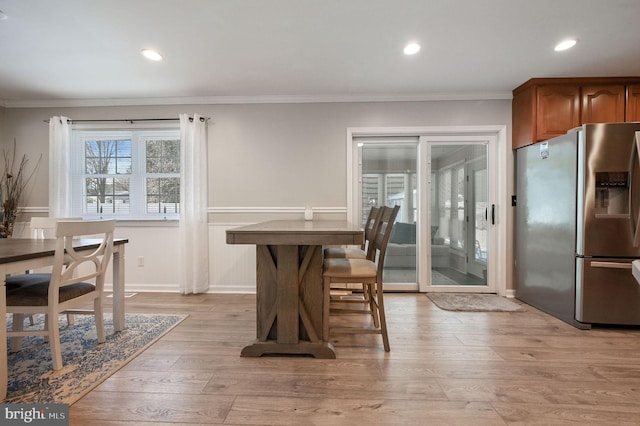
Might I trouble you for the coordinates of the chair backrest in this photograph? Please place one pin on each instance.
(45, 227)
(370, 230)
(88, 264)
(387, 219)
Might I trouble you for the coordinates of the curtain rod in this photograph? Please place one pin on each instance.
(130, 120)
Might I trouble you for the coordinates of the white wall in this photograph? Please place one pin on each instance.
(266, 161)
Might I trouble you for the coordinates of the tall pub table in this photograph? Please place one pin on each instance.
(289, 294)
(18, 255)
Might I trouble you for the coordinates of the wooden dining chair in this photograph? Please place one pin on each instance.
(348, 292)
(366, 250)
(77, 278)
(365, 271)
(40, 228)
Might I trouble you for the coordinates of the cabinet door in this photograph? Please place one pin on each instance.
(523, 118)
(558, 110)
(633, 103)
(603, 104)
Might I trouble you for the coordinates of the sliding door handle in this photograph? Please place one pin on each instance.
(493, 214)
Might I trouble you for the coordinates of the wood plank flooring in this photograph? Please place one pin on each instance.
(444, 368)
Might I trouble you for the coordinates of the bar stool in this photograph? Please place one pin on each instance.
(365, 271)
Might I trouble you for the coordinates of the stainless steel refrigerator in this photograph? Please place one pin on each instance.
(577, 209)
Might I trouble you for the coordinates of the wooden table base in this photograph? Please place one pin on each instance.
(323, 350)
(289, 296)
(289, 302)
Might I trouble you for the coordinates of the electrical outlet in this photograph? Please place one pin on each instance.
(140, 260)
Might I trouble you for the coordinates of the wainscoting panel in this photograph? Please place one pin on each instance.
(232, 267)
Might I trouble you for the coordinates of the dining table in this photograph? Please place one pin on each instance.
(289, 297)
(18, 255)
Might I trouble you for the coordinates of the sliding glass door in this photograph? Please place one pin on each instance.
(459, 214)
(388, 177)
(443, 237)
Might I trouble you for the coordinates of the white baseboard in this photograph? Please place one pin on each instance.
(175, 288)
(249, 289)
(510, 293)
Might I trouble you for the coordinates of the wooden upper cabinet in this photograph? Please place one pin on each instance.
(544, 108)
(633, 103)
(523, 118)
(558, 110)
(603, 104)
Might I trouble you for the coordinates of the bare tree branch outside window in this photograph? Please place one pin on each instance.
(104, 159)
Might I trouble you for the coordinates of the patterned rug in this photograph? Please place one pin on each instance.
(466, 302)
(85, 363)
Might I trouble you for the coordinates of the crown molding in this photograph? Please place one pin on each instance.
(272, 99)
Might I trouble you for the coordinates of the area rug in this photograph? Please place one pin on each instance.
(85, 363)
(466, 302)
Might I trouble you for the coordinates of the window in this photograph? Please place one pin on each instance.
(133, 174)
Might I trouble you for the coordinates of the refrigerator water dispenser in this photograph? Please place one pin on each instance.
(612, 194)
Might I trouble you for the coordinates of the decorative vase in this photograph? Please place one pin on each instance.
(308, 213)
(10, 212)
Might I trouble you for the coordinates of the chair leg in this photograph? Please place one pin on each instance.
(97, 310)
(70, 319)
(46, 327)
(383, 318)
(54, 341)
(373, 306)
(18, 325)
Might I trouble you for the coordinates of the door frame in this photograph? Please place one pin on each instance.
(498, 273)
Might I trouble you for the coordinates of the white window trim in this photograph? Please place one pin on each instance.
(137, 183)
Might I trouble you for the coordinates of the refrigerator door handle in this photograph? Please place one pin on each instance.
(634, 167)
(611, 265)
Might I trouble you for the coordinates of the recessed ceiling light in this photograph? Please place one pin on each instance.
(411, 49)
(564, 45)
(151, 55)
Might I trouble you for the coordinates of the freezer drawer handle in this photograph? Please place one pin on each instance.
(613, 265)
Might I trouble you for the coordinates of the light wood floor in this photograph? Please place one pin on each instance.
(444, 368)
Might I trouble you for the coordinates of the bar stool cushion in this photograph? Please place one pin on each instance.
(352, 268)
(344, 252)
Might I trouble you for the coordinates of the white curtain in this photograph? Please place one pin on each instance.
(194, 241)
(59, 166)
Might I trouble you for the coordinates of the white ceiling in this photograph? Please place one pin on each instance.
(80, 52)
